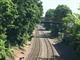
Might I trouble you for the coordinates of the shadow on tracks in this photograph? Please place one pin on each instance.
(66, 52)
(41, 29)
(43, 36)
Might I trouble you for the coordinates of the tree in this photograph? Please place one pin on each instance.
(28, 13)
(49, 13)
(49, 17)
(60, 12)
(17, 21)
(72, 38)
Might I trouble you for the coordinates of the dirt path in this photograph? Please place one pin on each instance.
(21, 53)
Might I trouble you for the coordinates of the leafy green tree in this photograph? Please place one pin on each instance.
(72, 32)
(60, 12)
(7, 12)
(49, 17)
(5, 51)
(17, 21)
(49, 13)
(28, 14)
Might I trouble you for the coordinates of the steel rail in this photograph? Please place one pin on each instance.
(35, 49)
(49, 48)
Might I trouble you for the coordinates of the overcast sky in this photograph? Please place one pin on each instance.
(52, 4)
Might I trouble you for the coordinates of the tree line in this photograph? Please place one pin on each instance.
(67, 24)
(17, 21)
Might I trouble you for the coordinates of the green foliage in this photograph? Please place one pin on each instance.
(72, 24)
(60, 12)
(17, 21)
(27, 19)
(68, 24)
(5, 51)
(19, 18)
(49, 17)
(49, 13)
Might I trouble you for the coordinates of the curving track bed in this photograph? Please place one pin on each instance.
(49, 48)
(35, 49)
(38, 46)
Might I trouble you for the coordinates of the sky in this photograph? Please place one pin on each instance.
(52, 4)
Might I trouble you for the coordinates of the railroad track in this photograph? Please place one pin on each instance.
(36, 49)
(34, 54)
(50, 52)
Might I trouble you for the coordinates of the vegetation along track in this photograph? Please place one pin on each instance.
(35, 49)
